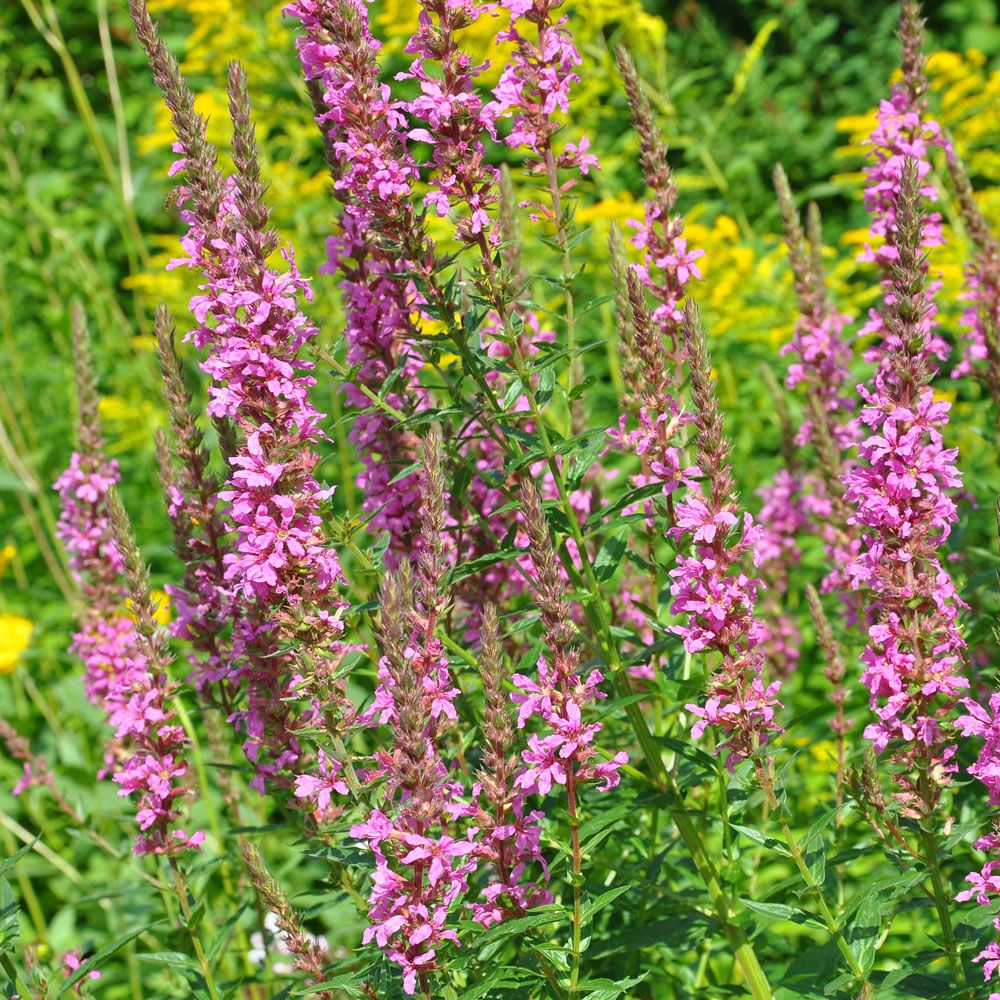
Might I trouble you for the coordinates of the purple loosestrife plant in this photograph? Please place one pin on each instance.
(280, 566)
(564, 752)
(204, 605)
(486, 777)
(418, 827)
(535, 86)
(452, 119)
(983, 722)
(668, 266)
(373, 177)
(899, 492)
(981, 317)
(711, 591)
(821, 354)
(903, 132)
(124, 657)
(509, 842)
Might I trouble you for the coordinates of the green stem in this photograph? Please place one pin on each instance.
(566, 277)
(817, 893)
(942, 903)
(182, 898)
(743, 950)
(576, 878)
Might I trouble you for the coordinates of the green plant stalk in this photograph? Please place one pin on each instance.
(117, 108)
(942, 903)
(48, 27)
(566, 275)
(817, 893)
(576, 879)
(213, 821)
(182, 898)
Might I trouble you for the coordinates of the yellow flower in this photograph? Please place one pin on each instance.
(824, 752)
(7, 554)
(617, 208)
(15, 632)
(161, 607)
(131, 422)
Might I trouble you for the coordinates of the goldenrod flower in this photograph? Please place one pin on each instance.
(15, 633)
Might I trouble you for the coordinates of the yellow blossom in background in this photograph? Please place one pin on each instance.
(161, 603)
(7, 555)
(15, 633)
(223, 30)
(130, 422)
(824, 753)
(396, 21)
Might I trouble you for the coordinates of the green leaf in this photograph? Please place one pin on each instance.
(608, 558)
(514, 392)
(631, 497)
(607, 989)
(782, 911)
(768, 843)
(223, 934)
(8, 863)
(593, 906)
(546, 385)
(350, 983)
(502, 978)
(473, 566)
(863, 934)
(408, 471)
(547, 915)
(584, 459)
(175, 959)
(690, 752)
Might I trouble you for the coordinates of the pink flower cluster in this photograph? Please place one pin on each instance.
(452, 118)
(280, 567)
(982, 295)
(418, 876)
(984, 885)
(508, 845)
(783, 515)
(203, 606)
(899, 496)
(535, 85)
(903, 132)
(822, 355)
(373, 178)
(146, 756)
(419, 871)
(668, 264)
(565, 755)
(718, 602)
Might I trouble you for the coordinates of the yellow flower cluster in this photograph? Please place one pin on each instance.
(15, 633)
(162, 614)
(130, 422)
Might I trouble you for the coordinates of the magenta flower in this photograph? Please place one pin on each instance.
(374, 174)
(321, 785)
(146, 754)
(903, 133)
(535, 85)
